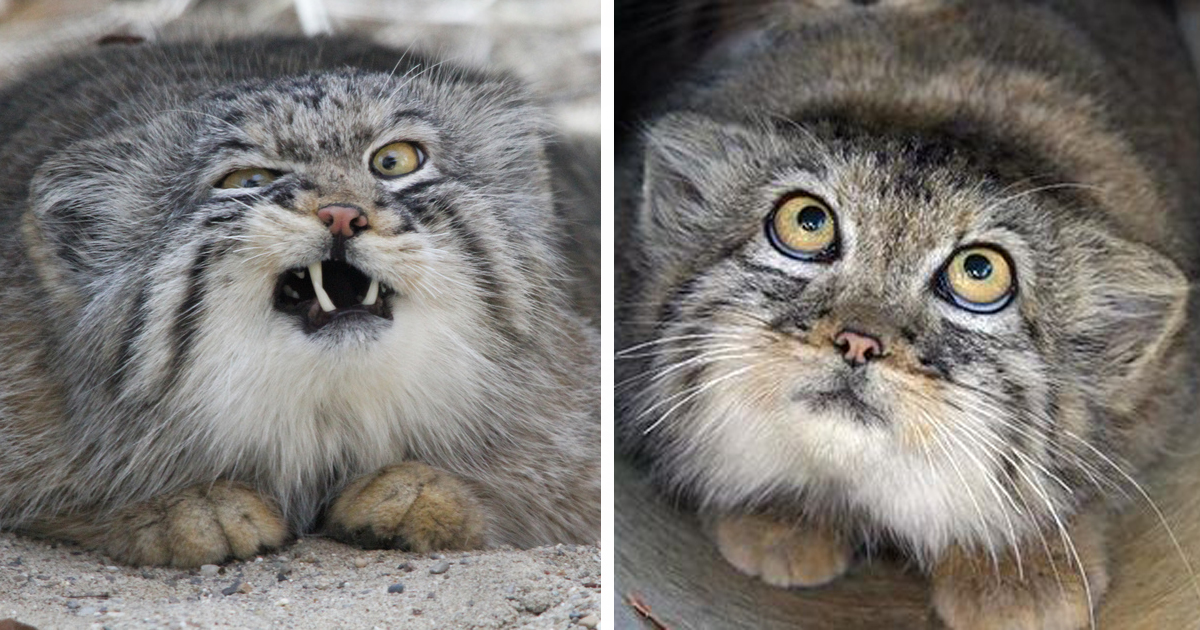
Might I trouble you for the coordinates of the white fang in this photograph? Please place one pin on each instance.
(372, 293)
(327, 305)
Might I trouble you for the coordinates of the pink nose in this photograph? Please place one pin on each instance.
(342, 220)
(857, 348)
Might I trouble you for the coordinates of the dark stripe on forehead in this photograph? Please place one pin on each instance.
(134, 323)
(234, 144)
(965, 147)
(190, 310)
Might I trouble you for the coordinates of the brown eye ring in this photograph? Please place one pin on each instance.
(802, 226)
(397, 159)
(979, 278)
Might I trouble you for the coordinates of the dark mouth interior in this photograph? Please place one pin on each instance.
(346, 286)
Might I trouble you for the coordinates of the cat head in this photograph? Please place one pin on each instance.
(181, 237)
(880, 321)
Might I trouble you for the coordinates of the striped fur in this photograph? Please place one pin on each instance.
(142, 355)
(980, 440)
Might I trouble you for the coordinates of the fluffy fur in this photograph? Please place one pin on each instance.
(143, 356)
(988, 447)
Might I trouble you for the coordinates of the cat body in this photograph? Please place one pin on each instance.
(810, 403)
(162, 333)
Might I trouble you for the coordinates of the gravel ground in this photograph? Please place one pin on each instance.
(315, 583)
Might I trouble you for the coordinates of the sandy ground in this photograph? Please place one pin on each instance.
(315, 583)
(554, 45)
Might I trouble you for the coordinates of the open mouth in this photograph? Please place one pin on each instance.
(331, 291)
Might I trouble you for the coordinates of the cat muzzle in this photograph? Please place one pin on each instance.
(331, 291)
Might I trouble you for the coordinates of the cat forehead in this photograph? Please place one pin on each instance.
(295, 116)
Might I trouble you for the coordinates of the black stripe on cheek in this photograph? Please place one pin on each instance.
(134, 324)
(672, 308)
(419, 188)
(187, 316)
(498, 307)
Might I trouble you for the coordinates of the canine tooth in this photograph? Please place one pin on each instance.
(327, 305)
(290, 292)
(372, 293)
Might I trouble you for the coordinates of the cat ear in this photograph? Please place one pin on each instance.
(1131, 308)
(690, 160)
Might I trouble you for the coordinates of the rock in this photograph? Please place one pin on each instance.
(245, 588)
(536, 602)
(73, 604)
(13, 624)
(209, 570)
(396, 588)
(86, 611)
(112, 568)
(236, 587)
(589, 621)
(361, 562)
(407, 567)
(440, 568)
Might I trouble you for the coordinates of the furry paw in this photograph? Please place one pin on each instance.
(408, 506)
(782, 554)
(203, 524)
(971, 592)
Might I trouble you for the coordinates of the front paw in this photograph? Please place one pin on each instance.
(203, 524)
(782, 554)
(1044, 592)
(408, 506)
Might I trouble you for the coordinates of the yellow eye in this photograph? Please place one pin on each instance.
(979, 279)
(804, 227)
(247, 178)
(396, 159)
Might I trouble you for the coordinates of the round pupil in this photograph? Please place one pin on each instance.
(811, 219)
(977, 266)
(388, 162)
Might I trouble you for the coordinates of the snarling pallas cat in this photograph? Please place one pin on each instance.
(253, 288)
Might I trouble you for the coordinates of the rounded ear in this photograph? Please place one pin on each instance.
(690, 161)
(1128, 313)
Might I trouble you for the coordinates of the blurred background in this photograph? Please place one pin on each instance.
(554, 45)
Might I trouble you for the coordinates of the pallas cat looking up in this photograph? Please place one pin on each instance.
(257, 287)
(918, 274)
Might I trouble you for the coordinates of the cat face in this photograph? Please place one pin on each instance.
(883, 323)
(181, 246)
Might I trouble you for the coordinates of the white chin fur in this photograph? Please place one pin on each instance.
(930, 495)
(372, 399)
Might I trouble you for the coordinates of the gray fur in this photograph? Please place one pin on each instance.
(141, 355)
(926, 126)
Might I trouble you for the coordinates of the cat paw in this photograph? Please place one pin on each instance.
(971, 592)
(203, 524)
(783, 555)
(407, 506)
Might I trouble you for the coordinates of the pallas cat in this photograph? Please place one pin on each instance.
(258, 287)
(916, 275)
